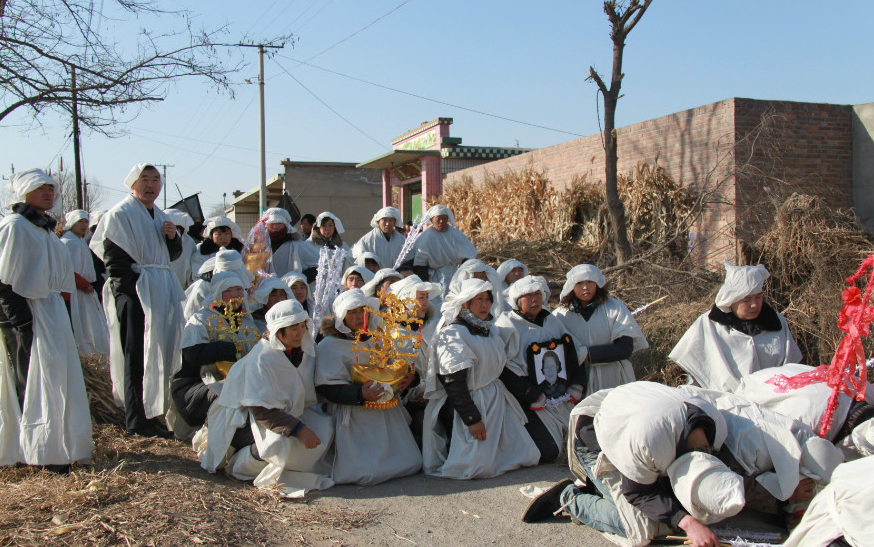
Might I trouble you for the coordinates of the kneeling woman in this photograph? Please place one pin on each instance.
(604, 327)
(373, 438)
(473, 428)
(547, 396)
(267, 411)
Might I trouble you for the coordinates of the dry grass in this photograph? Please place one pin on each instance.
(147, 492)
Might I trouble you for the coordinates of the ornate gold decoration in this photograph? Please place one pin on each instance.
(387, 359)
(228, 327)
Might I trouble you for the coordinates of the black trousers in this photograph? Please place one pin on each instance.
(18, 342)
(132, 322)
(193, 399)
(549, 451)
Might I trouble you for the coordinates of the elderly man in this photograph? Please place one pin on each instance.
(285, 256)
(441, 248)
(44, 416)
(86, 312)
(383, 240)
(142, 300)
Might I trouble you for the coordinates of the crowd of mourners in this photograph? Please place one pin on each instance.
(203, 350)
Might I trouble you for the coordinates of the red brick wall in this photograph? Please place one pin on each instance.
(809, 145)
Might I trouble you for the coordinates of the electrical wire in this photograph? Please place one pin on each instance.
(316, 97)
(445, 103)
(213, 142)
(222, 141)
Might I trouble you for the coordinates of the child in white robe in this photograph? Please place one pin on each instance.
(474, 428)
(268, 412)
(86, 311)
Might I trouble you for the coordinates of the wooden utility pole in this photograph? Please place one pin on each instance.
(77, 166)
(164, 187)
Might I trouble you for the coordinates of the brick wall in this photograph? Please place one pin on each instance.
(809, 145)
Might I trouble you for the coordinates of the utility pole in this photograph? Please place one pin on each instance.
(164, 188)
(262, 197)
(76, 162)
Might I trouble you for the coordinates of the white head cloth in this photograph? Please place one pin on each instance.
(527, 285)
(365, 274)
(285, 314)
(179, 218)
(370, 287)
(95, 217)
(338, 226)
(293, 277)
(135, 173)
(207, 266)
(220, 283)
(819, 458)
(386, 212)
(361, 260)
(276, 215)
(229, 260)
(349, 300)
(706, 487)
(438, 210)
(508, 265)
(25, 182)
(267, 286)
(740, 282)
(223, 221)
(74, 216)
(469, 289)
(409, 286)
(582, 272)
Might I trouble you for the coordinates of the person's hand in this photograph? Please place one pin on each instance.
(699, 534)
(308, 438)
(168, 229)
(478, 430)
(371, 391)
(406, 381)
(804, 490)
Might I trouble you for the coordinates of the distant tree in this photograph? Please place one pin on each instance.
(622, 18)
(43, 42)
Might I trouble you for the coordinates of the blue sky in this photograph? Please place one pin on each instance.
(521, 60)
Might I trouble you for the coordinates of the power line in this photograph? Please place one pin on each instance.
(473, 110)
(191, 151)
(329, 107)
(211, 142)
(208, 156)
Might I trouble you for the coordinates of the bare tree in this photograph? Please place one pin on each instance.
(42, 43)
(622, 20)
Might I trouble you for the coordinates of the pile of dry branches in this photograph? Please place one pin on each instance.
(809, 250)
(98, 384)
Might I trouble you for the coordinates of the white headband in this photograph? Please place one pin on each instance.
(370, 287)
(364, 255)
(285, 314)
(469, 289)
(267, 286)
(508, 265)
(135, 173)
(74, 216)
(179, 218)
(276, 215)
(349, 300)
(706, 487)
(222, 221)
(582, 272)
(25, 182)
(438, 210)
(221, 282)
(527, 285)
(740, 282)
(365, 274)
(386, 212)
(338, 226)
(409, 286)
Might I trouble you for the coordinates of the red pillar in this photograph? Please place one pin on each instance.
(386, 187)
(432, 180)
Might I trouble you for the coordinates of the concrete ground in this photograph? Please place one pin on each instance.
(424, 510)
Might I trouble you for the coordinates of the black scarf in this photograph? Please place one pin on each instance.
(209, 247)
(35, 217)
(275, 244)
(768, 320)
(541, 317)
(586, 310)
(475, 325)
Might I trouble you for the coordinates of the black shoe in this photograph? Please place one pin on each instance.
(543, 506)
(60, 469)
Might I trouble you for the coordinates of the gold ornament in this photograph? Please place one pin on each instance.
(387, 360)
(229, 326)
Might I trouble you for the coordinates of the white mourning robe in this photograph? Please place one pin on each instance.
(54, 426)
(442, 252)
(555, 418)
(717, 357)
(372, 445)
(182, 266)
(638, 426)
(610, 321)
(428, 329)
(308, 254)
(285, 259)
(508, 445)
(130, 226)
(374, 241)
(843, 508)
(806, 404)
(266, 378)
(86, 312)
(766, 444)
